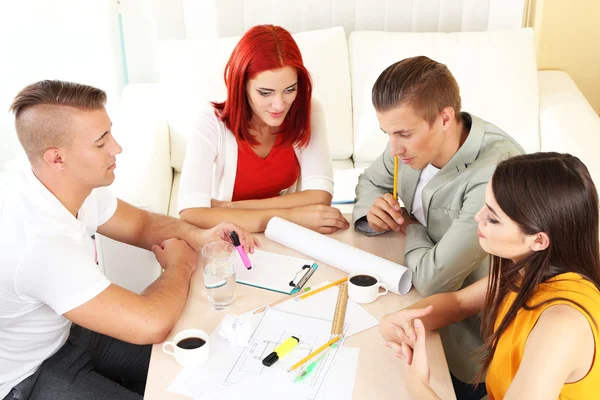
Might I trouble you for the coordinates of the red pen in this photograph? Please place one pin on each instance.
(236, 242)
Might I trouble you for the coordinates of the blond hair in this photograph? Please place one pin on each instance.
(43, 110)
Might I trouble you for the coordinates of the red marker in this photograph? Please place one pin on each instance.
(236, 242)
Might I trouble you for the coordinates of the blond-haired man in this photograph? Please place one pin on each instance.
(446, 158)
(65, 331)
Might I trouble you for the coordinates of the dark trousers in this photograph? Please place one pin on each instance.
(89, 366)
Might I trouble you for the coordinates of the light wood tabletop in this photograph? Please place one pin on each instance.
(380, 374)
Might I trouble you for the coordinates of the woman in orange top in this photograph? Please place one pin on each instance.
(259, 154)
(541, 304)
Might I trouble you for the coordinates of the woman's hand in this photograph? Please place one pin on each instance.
(397, 328)
(320, 218)
(418, 371)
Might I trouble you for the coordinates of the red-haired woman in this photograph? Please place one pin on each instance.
(254, 156)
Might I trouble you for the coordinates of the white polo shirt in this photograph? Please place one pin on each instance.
(47, 268)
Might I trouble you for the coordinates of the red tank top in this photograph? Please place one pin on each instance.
(261, 178)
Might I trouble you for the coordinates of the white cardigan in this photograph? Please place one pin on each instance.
(213, 148)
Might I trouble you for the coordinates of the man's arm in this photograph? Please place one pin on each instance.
(144, 229)
(443, 266)
(376, 181)
(147, 318)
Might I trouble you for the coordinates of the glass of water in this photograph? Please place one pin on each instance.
(219, 273)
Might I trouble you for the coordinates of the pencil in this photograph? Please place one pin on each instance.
(395, 194)
(321, 289)
(279, 302)
(314, 353)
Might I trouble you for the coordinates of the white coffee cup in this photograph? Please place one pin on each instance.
(192, 356)
(364, 287)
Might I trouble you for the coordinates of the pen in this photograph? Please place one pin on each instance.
(280, 351)
(236, 242)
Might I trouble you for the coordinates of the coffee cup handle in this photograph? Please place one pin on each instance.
(171, 352)
(382, 285)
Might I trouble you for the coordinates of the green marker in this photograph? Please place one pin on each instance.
(312, 366)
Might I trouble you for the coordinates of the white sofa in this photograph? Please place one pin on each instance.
(496, 71)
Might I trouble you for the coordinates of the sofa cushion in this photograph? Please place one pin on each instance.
(191, 74)
(496, 72)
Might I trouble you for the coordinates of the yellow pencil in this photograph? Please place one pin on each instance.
(279, 301)
(395, 194)
(321, 289)
(314, 353)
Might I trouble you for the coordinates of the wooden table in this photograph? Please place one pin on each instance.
(380, 374)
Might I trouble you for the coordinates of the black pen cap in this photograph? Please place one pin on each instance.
(270, 359)
(234, 239)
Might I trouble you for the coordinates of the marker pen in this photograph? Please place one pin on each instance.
(236, 242)
(280, 351)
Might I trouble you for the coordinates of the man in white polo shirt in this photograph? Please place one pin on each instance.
(66, 332)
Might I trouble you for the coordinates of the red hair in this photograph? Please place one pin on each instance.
(264, 48)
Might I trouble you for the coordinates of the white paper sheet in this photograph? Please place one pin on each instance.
(271, 270)
(397, 278)
(228, 368)
(339, 384)
(209, 378)
(322, 305)
(345, 185)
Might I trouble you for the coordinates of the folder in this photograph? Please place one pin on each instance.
(276, 272)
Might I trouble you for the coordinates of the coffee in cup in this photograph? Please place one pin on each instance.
(363, 288)
(190, 347)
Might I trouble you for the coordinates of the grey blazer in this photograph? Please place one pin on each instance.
(444, 256)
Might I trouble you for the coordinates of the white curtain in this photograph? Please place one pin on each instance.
(71, 40)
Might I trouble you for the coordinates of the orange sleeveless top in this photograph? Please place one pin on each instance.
(511, 346)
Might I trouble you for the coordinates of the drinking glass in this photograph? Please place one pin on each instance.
(219, 273)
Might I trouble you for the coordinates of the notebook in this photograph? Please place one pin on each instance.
(276, 272)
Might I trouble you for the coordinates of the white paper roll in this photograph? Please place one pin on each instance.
(340, 255)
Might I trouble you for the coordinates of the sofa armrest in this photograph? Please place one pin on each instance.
(144, 175)
(568, 124)
(143, 178)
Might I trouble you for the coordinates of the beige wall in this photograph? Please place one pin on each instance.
(568, 38)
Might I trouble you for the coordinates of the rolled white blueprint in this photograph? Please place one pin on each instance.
(396, 277)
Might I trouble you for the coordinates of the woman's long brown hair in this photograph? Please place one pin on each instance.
(541, 192)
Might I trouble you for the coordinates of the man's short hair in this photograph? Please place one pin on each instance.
(43, 110)
(426, 85)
